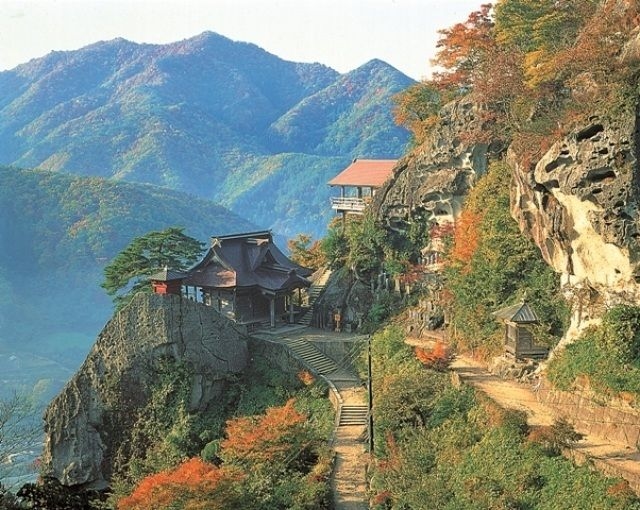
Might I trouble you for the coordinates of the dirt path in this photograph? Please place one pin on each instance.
(613, 459)
(349, 478)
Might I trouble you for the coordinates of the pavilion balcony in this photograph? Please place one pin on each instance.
(349, 204)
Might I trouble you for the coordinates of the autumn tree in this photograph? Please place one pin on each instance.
(272, 439)
(305, 252)
(462, 48)
(194, 484)
(128, 272)
(416, 108)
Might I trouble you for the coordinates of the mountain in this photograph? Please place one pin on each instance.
(224, 120)
(57, 231)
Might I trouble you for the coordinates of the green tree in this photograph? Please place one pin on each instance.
(503, 266)
(128, 272)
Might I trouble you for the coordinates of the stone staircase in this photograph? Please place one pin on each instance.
(311, 356)
(316, 289)
(353, 414)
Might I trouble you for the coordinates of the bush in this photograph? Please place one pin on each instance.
(596, 357)
(442, 446)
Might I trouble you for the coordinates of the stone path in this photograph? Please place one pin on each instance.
(349, 442)
(349, 478)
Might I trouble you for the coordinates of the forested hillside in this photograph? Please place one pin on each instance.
(224, 120)
(57, 232)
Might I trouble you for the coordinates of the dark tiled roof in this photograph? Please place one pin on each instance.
(365, 172)
(247, 260)
(167, 275)
(519, 313)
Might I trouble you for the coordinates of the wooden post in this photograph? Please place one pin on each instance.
(291, 314)
(272, 311)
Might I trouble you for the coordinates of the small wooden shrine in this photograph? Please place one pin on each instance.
(518, 338)
(167, 281)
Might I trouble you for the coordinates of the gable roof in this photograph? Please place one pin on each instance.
(247, 260)
(520, 313)
(167, 275)
(365, 172)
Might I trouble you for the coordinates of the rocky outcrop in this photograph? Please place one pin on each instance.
(433, 181)
(580, 204)
(346, 295)
(115, 379)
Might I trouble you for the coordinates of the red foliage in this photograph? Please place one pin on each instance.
(441, 231)
(189, 480)
(265, 438)
(392, 461)
(412, 275)
(437, 358)
(382, 498)
(461, 49)
(306, 377)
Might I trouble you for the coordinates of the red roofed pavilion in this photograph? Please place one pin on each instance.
(359, 182)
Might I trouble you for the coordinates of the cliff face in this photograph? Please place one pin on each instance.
(81, 432)
(434, 179)
(580, 204)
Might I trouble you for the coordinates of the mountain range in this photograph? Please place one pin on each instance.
(219, 119)
(57, 232)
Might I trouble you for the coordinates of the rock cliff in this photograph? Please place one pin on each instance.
(81, 432)
(580, 204)
(434, 179)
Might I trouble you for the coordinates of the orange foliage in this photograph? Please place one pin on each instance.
(437, 358)
(190, 480)
(306, 377)
(465, 239)
(462, 47)
(265, 438)
(392, 461)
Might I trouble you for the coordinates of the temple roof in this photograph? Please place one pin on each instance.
(167, 275)
(247, 260)
(520, 313)
(365, 172)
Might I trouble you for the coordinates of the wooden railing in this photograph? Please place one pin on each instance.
(348, 204)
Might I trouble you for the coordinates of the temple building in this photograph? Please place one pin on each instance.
(358, 184)
(245, 277)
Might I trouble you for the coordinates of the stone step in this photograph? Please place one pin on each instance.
(314, 292)
(315, 359)
(354, 414)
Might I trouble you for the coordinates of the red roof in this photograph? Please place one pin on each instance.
(365, 172)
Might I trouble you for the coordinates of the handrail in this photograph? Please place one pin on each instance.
(348, 203)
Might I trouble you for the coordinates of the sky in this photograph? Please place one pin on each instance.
(343, 34)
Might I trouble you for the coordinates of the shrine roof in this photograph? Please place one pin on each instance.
(247, 260)
(365, 172)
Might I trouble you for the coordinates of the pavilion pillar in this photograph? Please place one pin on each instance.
(272, 311)
(291, 314)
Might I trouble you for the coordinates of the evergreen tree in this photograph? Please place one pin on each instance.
(128, 272)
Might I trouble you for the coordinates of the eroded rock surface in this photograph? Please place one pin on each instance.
(81, 432)
(580, 204)
(434, 179)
